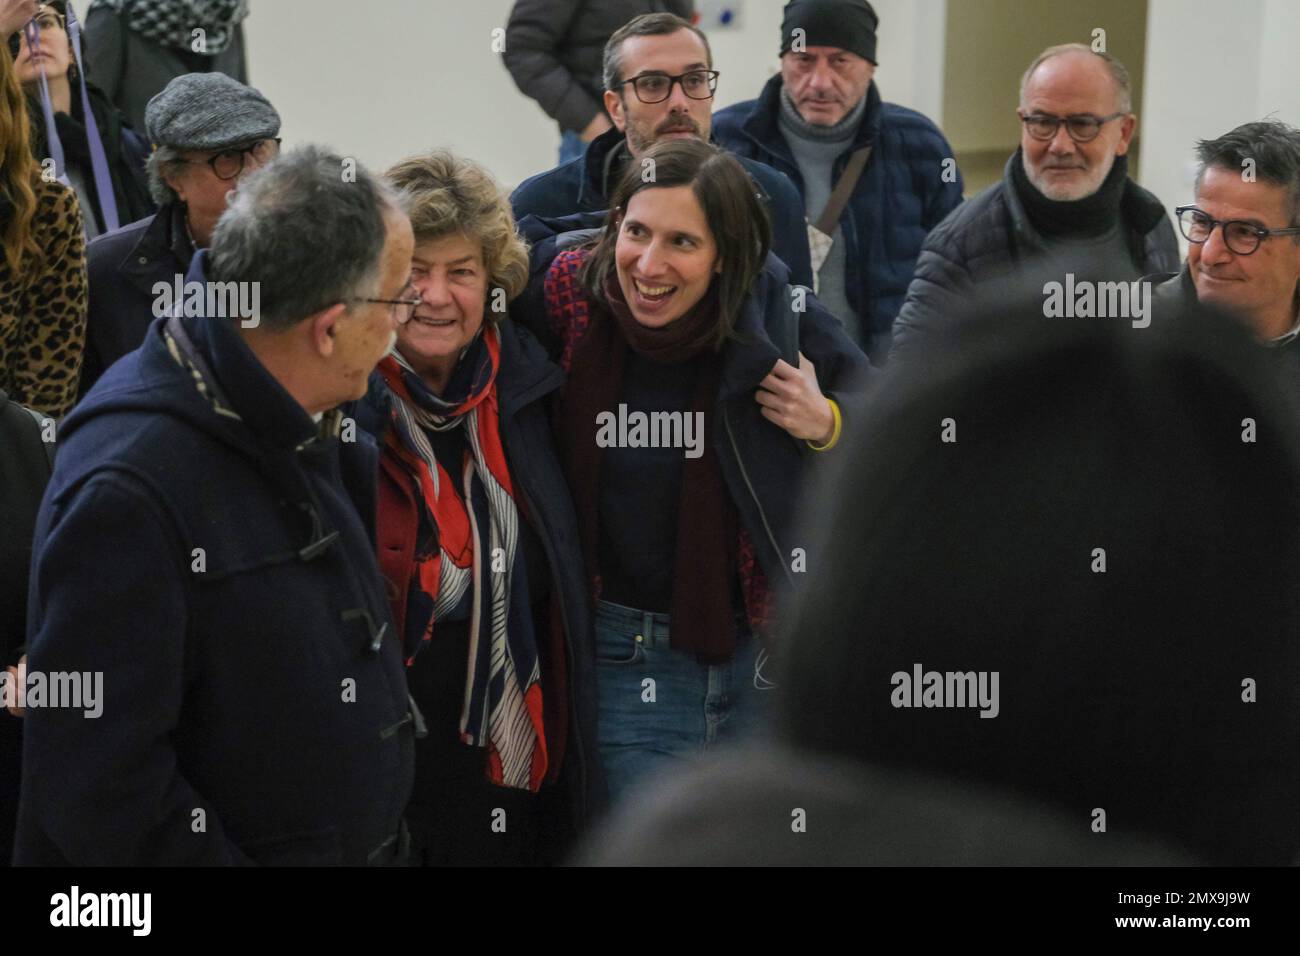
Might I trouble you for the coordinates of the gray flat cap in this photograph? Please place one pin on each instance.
(209, 111)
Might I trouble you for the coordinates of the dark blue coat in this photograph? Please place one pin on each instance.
(581, 186)
(225, 670)
(122, 268)
(901, 196)
(765, 469)
(526, 382)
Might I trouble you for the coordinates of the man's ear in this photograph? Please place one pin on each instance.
(174, 180)
(614, 107)
(1128, 125)
(322, 328)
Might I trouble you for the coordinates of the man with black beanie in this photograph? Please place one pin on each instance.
(875, 177)
(1065, 197)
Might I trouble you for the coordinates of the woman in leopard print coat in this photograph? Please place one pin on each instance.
(42, 269)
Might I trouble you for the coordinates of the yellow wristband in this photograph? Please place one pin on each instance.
(835, 435)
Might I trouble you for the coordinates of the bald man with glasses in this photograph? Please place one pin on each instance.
(1064, 206)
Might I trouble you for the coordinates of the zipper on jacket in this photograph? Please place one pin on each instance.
(767, 528)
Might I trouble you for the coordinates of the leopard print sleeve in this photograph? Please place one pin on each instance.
(45, 361)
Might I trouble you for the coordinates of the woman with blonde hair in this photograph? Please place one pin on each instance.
(478, 540)
(42, 268)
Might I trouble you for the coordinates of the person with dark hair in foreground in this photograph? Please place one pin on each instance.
(1078, 640)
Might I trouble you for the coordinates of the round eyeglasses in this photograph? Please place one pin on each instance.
(1082, 127)
(229, 163)
(1239, 235)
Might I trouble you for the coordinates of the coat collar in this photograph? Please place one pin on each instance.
(165, 243)
(763, 124)
(601, 154)
(1139, 211)
(252, 392)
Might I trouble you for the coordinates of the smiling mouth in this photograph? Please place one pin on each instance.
(433, 323)
(653, 293)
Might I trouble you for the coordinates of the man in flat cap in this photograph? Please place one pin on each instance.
(875, 177)
(208, 132)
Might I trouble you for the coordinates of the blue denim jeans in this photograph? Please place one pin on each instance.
(571, 146)
(658, 705)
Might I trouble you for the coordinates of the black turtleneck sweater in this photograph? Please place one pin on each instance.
(1080, 230)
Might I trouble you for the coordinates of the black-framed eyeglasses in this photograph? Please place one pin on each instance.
(1239, 235)
(657, 87)
(45, 20)
(229, 163)
(402, 310)
(1082, 127)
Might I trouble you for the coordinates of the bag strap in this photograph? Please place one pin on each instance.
(98, 159)
(40, 425)
(843, 190)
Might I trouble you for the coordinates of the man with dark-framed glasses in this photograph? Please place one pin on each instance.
(206, 546)
(1065, 203)
(660, 82)
(1243, 237)
(209, 132)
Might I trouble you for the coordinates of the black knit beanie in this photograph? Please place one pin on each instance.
(847, 24)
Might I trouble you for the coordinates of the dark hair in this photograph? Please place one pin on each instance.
(646, 25)
(1120, 690)
(736, 216)
(1274, 149)
(311, 237)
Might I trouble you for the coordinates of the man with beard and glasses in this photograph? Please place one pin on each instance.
(1065, 199)
(659, 84)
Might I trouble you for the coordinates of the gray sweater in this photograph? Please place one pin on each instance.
(815, 150)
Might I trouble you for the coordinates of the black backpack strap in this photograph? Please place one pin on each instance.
(40, 425)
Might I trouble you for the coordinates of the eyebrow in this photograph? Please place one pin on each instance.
(688, 69)
(676, 232)
(416, 260)
(1257, 223)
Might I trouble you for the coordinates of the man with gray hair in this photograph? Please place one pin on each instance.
(208, 132)
(206, 545)
(1065, 199)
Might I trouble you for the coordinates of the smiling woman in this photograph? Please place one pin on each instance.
(477, 539)
(679, 313)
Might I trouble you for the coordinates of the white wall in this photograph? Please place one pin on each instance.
(1212, 66)
(379, 81)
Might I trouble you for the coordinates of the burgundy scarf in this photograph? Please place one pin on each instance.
(704, 572)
